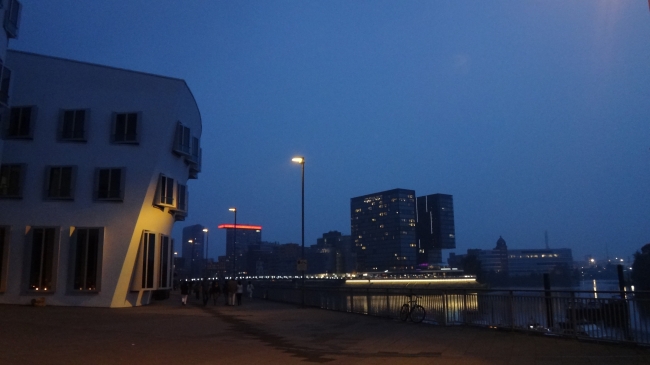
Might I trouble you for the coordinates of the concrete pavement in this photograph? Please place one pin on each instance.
(262, 332)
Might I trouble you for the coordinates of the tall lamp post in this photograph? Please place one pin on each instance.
(301, 161)
(234, 244)
(191, 242)
(205, 233)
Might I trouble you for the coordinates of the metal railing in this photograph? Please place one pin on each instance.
(602, 315)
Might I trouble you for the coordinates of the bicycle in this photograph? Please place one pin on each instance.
(413, 310)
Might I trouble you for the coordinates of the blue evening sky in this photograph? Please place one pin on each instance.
(534, 115)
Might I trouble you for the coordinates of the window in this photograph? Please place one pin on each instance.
(125, 128)
(109, 184)
(165, 279)
(60, 182)
(41, 269)
(73, 125)
(12, 18)
(196, 149)
(182, 139)
(148, 249)
(87, 244)
(5, 79)
(4, 249)
(165, 192)
(11, 180)
(20, 122)
(182, 198)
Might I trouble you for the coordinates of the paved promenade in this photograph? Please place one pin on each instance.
(262, 332)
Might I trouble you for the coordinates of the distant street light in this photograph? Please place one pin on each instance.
(234, 244)
(191, 242)
(301, 160)
(205, 231)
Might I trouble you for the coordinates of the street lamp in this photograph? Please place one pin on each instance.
(234, 243)
(191, 242)
(301, 160)
(205, 231)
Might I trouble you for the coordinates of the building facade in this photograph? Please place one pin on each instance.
(193, 249)
(10, 11)
(518, 262)
(332, 254)
(95, 165)
(239, 240)
(539, 261)
(435, 229)
(383, 230)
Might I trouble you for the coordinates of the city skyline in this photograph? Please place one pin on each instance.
(533, 115)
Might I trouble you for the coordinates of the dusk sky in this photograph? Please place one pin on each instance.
(534, 115)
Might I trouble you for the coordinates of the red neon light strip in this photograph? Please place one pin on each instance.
(239, 226)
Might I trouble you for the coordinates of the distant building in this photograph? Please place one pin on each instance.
(383, 230)
(284, 259)
(435, 228)
(237, 247)
(193, 249)
(258, 259)
(495, 260)
(331, 254)
(95, 164)
(517, 262)
(525, 262)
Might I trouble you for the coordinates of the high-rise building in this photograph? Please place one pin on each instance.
(258, 258)
(383, 230)
(332, 254)
(435, 228)
(193, 249)
(237, 247)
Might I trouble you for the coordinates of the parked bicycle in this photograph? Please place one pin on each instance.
(413, 310)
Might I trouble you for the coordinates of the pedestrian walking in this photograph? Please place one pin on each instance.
(226, 294)
(215, 291)
(249, 289)
(232, 291)
(205, 291)
(240, 291)
(197, 290)
(185, 290)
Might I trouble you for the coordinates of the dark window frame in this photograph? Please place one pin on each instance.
(4, 256)
(41, 260)
(12, 18)
(21, 121)
(166, 265)
(106, 186)
(5, 83)
(148, 260)
(86, 256)
(73, 125)
(182, 196)
(12, 178)
(182, 140)
(56, 186)
(126, 128)
(166, 192)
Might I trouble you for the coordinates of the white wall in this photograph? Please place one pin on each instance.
(53, 84)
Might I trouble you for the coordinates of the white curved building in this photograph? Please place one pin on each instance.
(95, 165)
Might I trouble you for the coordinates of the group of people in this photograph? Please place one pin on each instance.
(232, 291)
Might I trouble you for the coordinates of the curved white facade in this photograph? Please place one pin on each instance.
(95, 166)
